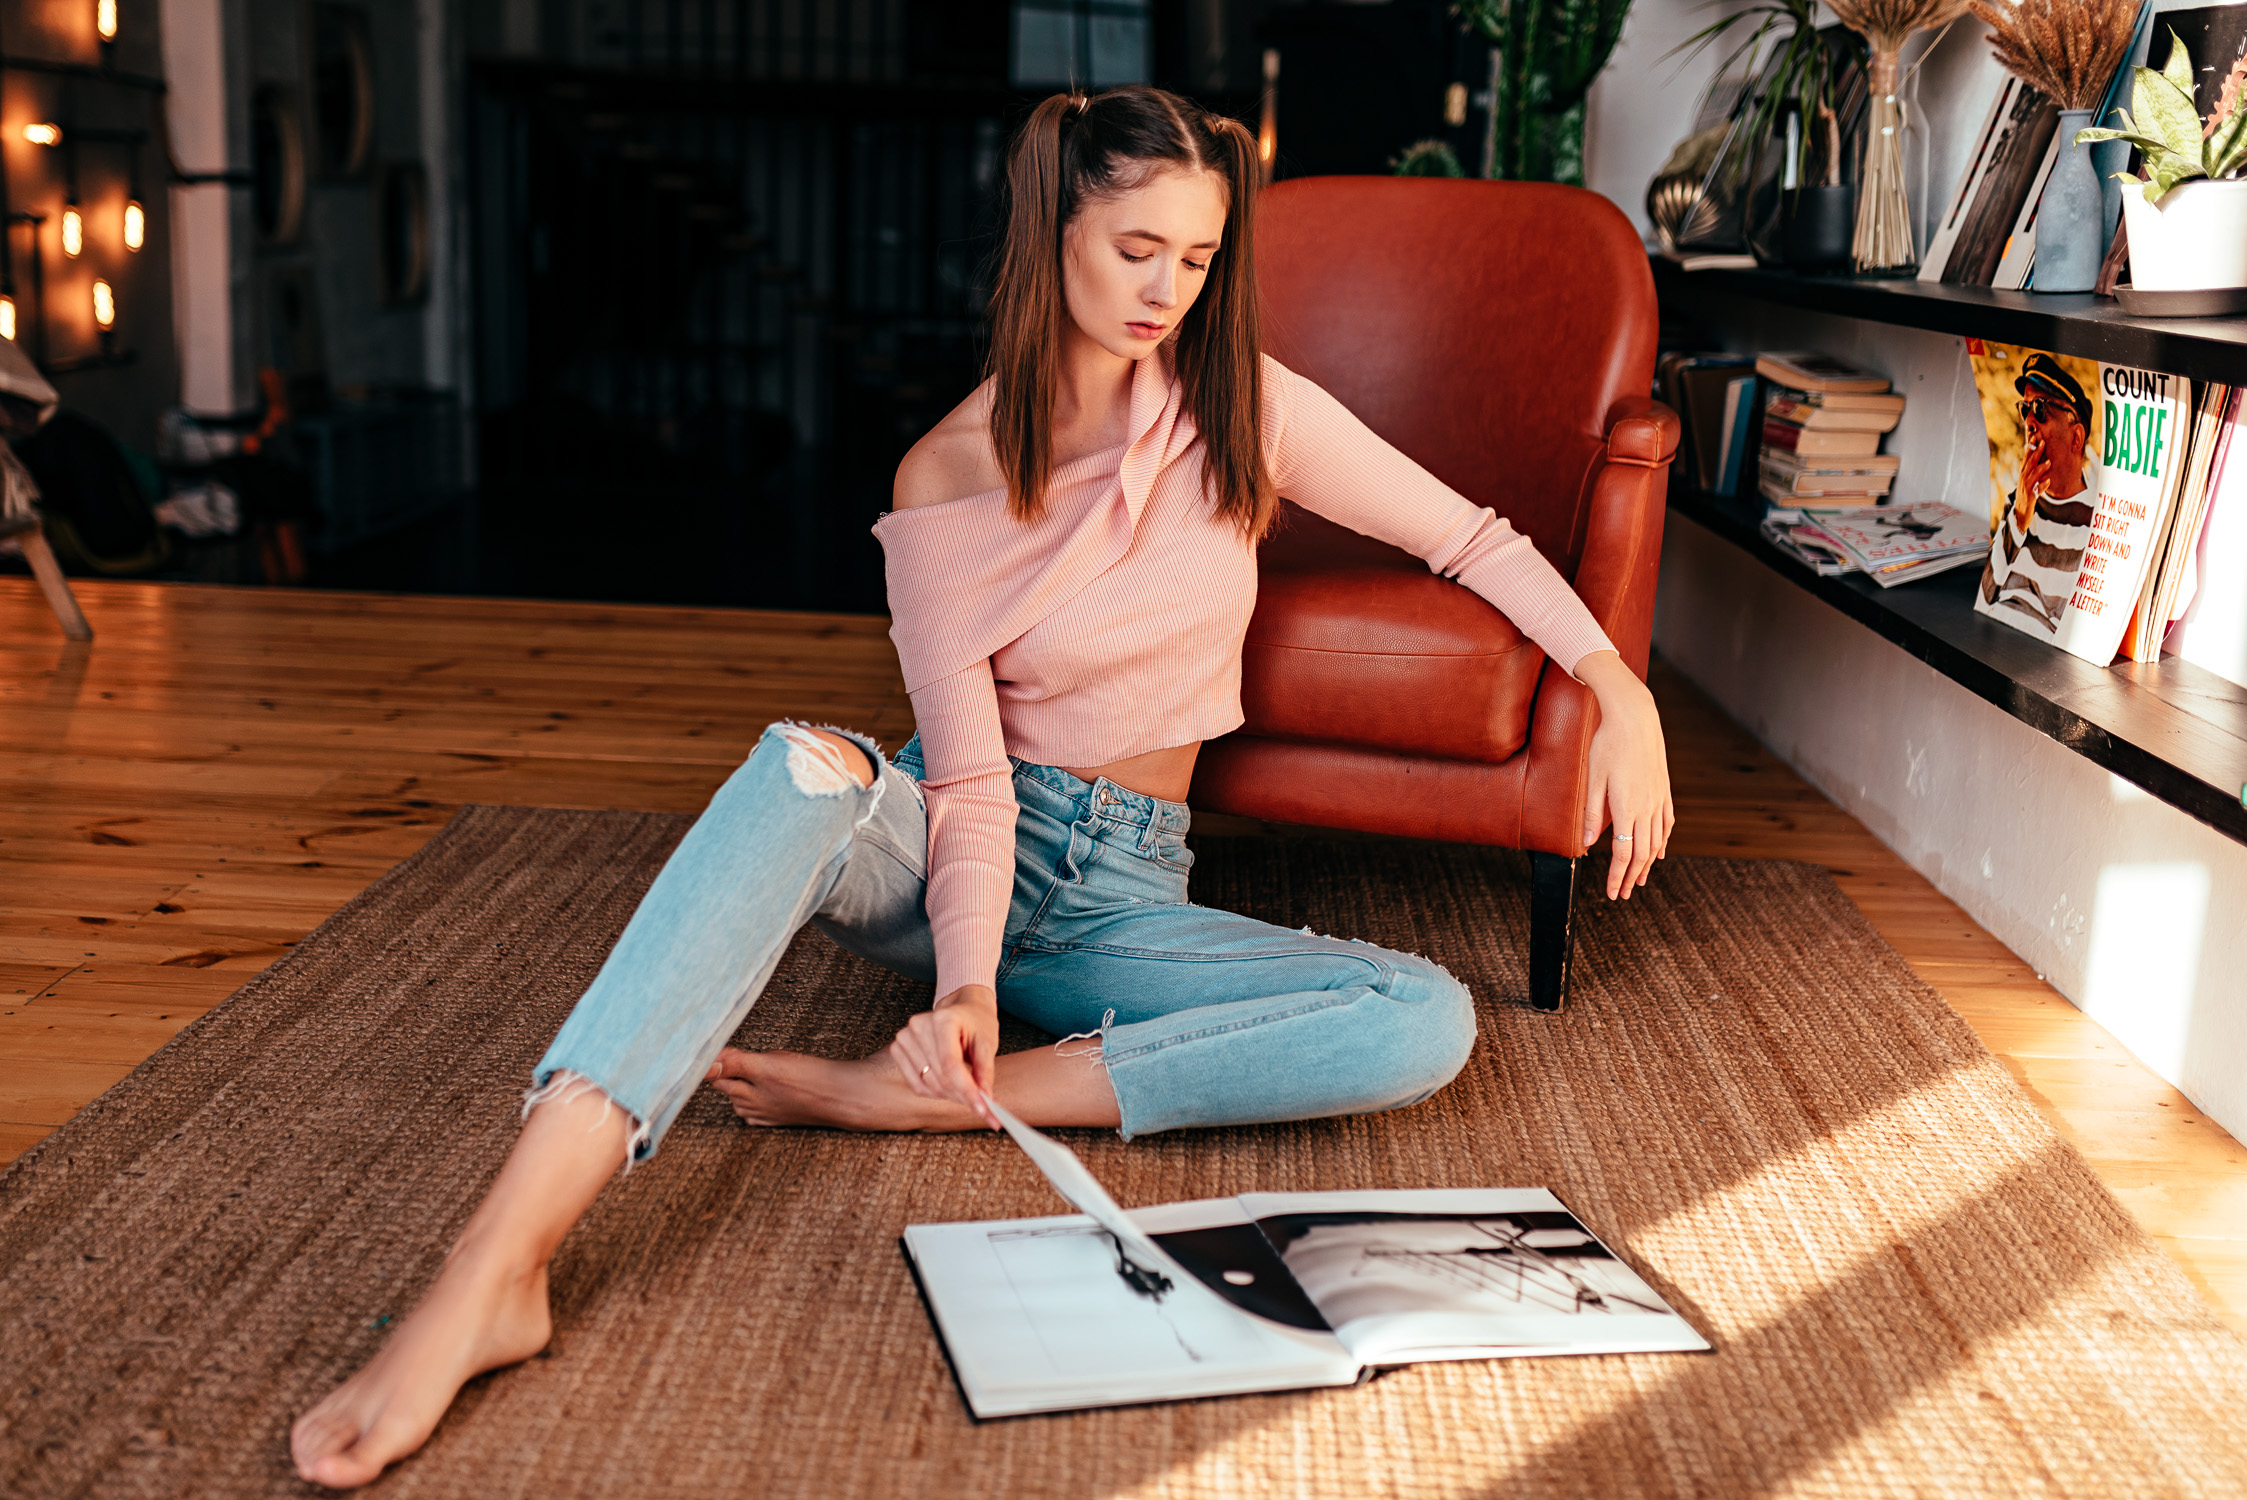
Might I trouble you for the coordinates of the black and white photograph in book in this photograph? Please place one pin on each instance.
(1358, 1265)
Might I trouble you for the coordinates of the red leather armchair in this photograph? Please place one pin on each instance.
(1502, 334)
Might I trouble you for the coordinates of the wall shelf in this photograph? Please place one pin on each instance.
(2174, 729)
(2084, 324)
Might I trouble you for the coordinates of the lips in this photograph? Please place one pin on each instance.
(1147, 330)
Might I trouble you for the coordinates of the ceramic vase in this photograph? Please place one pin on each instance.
(2068, 217)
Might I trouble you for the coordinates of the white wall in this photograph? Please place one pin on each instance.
(2128, 907)
(1643, 105)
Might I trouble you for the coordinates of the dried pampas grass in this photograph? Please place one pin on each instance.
(2066, 50)
(1883, 241)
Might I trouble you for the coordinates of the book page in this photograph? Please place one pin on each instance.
(1035, 1318)
(1463, 1274)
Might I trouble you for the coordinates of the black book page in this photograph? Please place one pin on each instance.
(1237, 1263)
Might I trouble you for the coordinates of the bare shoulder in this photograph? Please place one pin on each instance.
(953, 459)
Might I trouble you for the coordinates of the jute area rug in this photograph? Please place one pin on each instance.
(1914, 1287)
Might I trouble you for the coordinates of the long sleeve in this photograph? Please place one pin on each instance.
(1327, 461)
(969, 784)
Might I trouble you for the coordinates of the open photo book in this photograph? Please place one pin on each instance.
(1266, 1291)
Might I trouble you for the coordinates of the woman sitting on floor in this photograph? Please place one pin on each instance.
(1072, 564)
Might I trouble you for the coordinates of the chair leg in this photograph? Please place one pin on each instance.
(55, 586)
(1552, 898)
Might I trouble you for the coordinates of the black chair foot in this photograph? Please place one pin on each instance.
(1552, 898)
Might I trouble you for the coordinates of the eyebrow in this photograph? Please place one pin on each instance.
(1149, 234)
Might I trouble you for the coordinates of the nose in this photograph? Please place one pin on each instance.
(1162, 287)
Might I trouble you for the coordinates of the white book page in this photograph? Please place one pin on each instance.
(1463, 1274)
(1035, 1318)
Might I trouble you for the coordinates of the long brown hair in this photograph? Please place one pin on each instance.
(1077, 149)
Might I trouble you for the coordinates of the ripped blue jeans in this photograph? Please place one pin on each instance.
(1203, 1017)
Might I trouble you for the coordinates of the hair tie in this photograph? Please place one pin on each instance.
(1079, 103)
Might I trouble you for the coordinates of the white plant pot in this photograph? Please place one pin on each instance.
(2193, 239)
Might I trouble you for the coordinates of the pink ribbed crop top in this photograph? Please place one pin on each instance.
(1113, 624)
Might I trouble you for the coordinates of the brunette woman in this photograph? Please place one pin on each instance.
(1072, 563)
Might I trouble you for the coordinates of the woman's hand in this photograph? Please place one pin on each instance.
(951, 1050)
(1630, 773)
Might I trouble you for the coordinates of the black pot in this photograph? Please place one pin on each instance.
(1817, 224)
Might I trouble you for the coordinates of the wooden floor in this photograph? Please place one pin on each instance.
(225, 767)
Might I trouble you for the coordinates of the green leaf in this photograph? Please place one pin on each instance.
(2167, 112)
(2226, 151)
(2145, 143)
(2168, 171)
(2178, 70)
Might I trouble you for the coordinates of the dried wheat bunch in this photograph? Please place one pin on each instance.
(2066, 50)
(1886, 23)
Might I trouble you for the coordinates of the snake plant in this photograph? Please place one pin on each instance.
(2165, 126)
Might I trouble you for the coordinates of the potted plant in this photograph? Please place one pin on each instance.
(2187, 218)
(1545, 54)
(1783, 144)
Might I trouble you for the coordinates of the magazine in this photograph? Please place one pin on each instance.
(1891, 544)
(1266, 1291)
(2084, 461)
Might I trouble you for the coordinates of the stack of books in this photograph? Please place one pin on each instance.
(1822, 424)
(1889, 544)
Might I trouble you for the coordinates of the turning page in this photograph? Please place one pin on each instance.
(1058, 1313)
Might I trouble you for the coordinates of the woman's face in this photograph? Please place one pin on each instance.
(1132, 265)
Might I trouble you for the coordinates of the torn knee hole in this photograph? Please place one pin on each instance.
(821, 764)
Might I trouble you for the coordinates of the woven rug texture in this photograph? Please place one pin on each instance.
(1914, 1286)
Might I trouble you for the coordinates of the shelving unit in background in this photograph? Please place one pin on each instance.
(2174, 729)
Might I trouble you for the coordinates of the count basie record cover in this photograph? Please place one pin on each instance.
(2080, 457)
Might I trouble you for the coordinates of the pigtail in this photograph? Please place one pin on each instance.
(1027, 306)
(1218, 360)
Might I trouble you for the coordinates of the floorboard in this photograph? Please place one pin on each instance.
(223, 768)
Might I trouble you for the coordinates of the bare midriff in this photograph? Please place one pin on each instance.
(1162, 774)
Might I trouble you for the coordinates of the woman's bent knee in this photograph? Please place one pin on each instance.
(1431, 1021)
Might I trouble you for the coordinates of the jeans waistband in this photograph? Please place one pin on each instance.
(1104, 799)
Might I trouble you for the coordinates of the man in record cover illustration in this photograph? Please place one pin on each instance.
(2039, 544)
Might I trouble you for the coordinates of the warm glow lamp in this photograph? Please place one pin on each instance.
(136, 224)
(7, 317)
(73, 229)
(105, 305)
(43, 133)
(105, 19)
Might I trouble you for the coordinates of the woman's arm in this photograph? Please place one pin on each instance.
(949, 1051)
(1326, 460)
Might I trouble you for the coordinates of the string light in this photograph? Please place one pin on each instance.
(136, 224)
(43, 133)
(73, 229)
(105, 305)
(7, 317)
(105, 19)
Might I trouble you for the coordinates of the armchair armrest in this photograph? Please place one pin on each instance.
(1622, 557)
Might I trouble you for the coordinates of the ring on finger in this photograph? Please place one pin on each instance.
(924, 1070)
(1622, 838)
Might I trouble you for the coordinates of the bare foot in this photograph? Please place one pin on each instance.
(477, 1317)
(789, 1088)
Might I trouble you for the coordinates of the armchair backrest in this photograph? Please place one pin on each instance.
(1484, 328)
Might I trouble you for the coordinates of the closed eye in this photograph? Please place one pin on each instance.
(1188, 264)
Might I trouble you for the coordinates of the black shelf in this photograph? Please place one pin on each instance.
(2084, 324)
(2177, 730)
